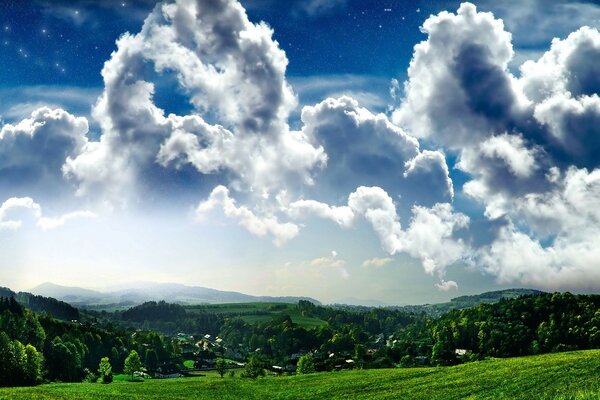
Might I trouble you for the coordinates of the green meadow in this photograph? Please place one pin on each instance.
(572, 375)
(253, 313)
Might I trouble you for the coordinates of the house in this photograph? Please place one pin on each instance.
(461, 352)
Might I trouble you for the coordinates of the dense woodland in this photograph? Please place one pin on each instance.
(37, 346)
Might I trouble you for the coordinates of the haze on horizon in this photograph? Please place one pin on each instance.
(407, 152)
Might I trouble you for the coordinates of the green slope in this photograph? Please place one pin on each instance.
(571, 375)
(462, 302)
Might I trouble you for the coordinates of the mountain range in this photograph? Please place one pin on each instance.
(170, 292)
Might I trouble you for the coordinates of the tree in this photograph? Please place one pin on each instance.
(63, 360)
(32, 367)
(105, 370)
(132, 364)
(254, 368)
(306, 365)
(220, 366)
(151, 360)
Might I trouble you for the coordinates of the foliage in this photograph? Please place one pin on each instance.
(56, 308)
(306, 365)
(19, 365)
(153, 311)
(64, 360)
(220, 366)
(105, 370)
(254, 368)
(132, 364)
(523, 326)
(151, 360)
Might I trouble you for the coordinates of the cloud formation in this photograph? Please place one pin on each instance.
(529, 143)
(14, 204)
(32, 152)
(430, 236)
(257, 225)
(446, 286)
(233, 73)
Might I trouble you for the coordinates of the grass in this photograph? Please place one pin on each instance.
(562, 376)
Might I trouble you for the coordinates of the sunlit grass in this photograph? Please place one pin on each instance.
(562, 376)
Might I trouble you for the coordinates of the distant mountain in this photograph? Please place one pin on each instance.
(459, 303)
(353, 301)
(170, 292)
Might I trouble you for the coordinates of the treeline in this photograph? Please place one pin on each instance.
(378, 337)
(56, 308)
(37, 347)
(523, 326)
(155, 311)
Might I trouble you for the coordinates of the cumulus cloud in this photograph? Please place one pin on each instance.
(14, 204)
(343, 216)
(529, 144)
(33, 151)
(564, 84)
(459, 88)
(446, 286)
(366, 149)
(430, 236)
(234, 74)
(257, 225)
(377, 262)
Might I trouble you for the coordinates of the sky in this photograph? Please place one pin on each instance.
(395, 151)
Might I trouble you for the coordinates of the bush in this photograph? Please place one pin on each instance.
(254, 368)
(306, 365)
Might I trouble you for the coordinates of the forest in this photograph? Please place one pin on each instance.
(37, 347)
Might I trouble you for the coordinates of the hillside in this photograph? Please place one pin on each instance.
(174, 293)
(462, 302)
(56, 308)
(570, 375)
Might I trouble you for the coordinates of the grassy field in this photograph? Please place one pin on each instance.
(258, 312)
(560, 376)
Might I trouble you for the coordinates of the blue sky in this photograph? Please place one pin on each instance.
(401, 151)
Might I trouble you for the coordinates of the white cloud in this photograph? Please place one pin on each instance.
(235, 76)
(366, 149)
(511, 149)
(429, 237)
(257, 225)
(300, 209)
(15, 204)
(564, 83)
(377, 262)
(459, 88)
(446, 286)
(33, 151)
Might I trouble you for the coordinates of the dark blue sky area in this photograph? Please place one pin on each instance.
(67, 42)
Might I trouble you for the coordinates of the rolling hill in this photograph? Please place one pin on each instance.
(171, 292)
(462, 302)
